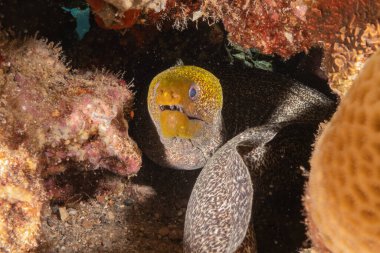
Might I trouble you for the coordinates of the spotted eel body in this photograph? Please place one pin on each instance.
(252, 185)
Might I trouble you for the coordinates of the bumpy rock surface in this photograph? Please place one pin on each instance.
(21, 199)
(51, 119)
(122, 14)
(347, 30)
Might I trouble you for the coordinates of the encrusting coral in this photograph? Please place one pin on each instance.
(122, 14)
(347, 30)
(21, 199)
(343, 194)
(345, 58)
(52, 118)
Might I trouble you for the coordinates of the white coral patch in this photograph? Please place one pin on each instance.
(299, 9)
(147, 5)
(4, 163)
(288, 36)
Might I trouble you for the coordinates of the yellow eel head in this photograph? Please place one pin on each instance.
(185, 102)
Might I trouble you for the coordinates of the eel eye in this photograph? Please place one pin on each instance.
(193, 92)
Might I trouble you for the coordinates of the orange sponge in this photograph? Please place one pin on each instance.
(343, 194)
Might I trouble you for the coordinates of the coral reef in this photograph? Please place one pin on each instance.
(122, 14)
(53, 118)
(64, 117)
(110, 17)
(345, 58)
(21, 199)
(343, 192)
(270, 26)
(288, 27)
(347, 30)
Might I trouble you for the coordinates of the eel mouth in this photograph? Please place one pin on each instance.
(178, 108)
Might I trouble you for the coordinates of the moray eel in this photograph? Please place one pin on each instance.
(185, 105)
(185, 102)
(250, 142)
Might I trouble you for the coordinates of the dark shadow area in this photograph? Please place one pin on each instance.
(278, 218)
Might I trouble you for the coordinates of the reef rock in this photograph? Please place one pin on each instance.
(347, 30)
(51, 118)
(21, 199)
(122, 14)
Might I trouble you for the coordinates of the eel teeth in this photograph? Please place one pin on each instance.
(177, 108)
(171, 108)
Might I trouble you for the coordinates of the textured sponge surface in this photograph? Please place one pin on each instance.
(21, 200)
(343, 194)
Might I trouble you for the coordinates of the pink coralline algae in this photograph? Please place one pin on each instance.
(52, 118)
(64, 117)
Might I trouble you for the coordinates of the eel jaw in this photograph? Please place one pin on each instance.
(178, 108)
(175, 122)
